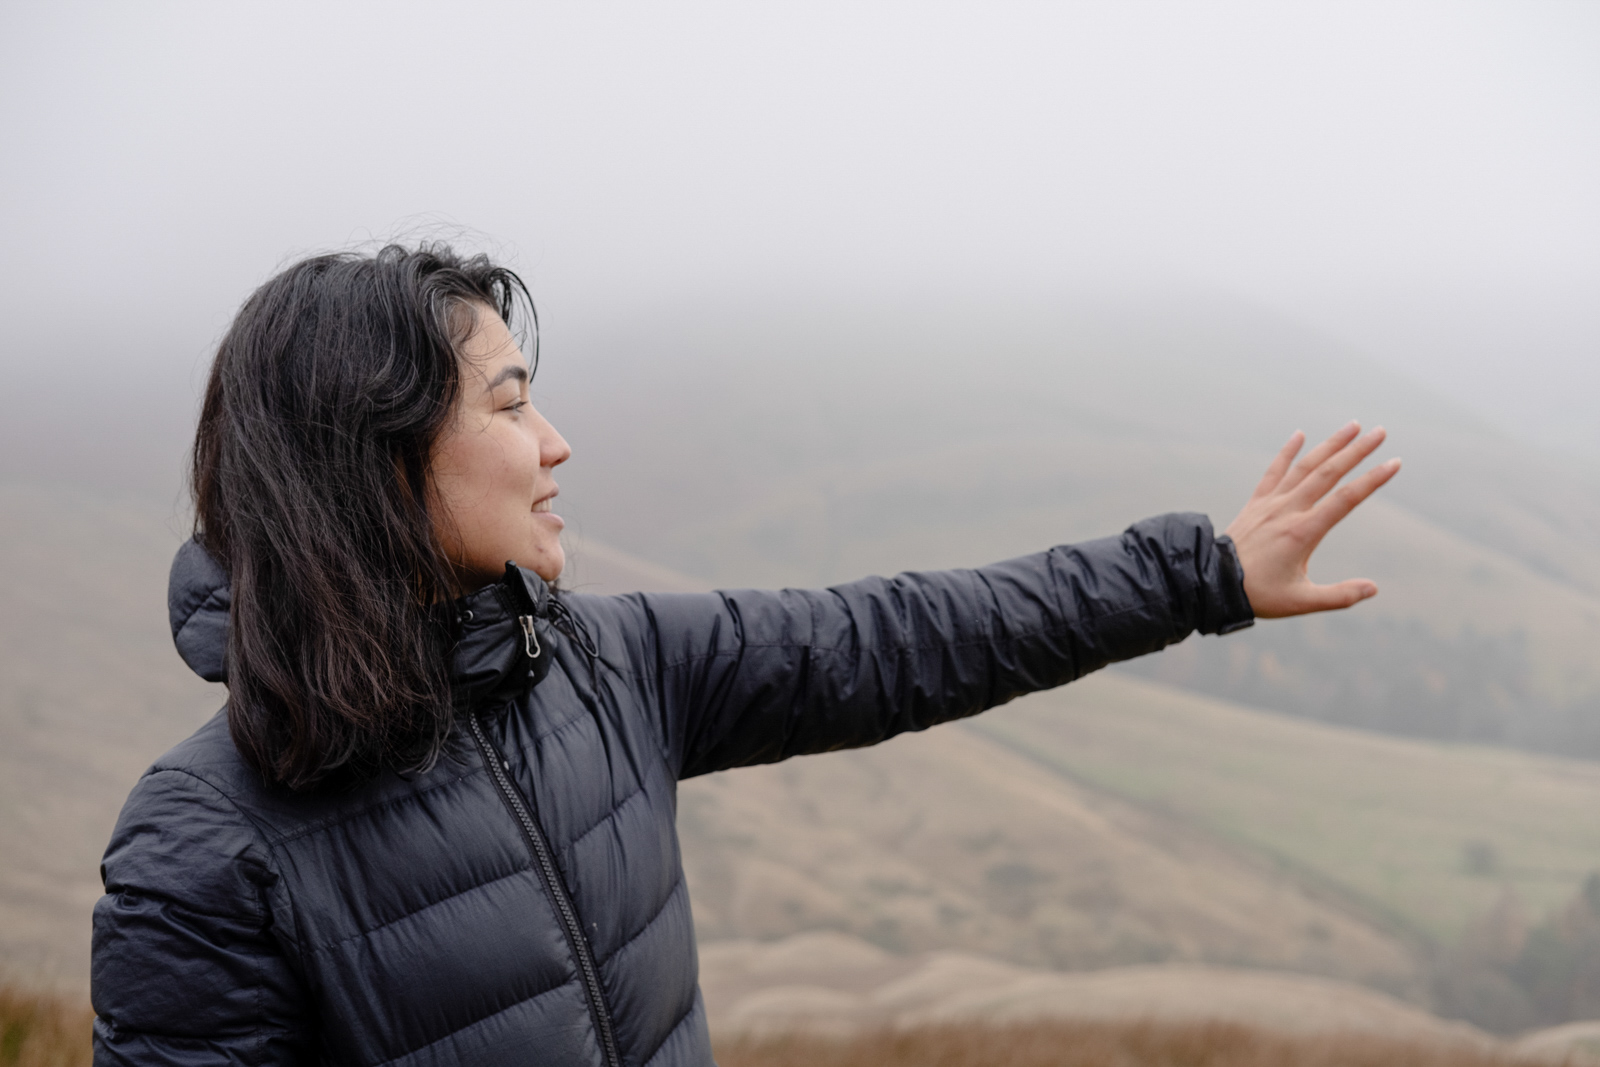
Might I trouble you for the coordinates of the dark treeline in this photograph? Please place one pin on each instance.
(1386, 675)
(1508, 975)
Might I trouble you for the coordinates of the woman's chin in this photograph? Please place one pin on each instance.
(548, 563)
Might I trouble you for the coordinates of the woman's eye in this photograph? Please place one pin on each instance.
(516, 406)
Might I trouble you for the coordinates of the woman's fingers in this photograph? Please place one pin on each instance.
(1325, 477)
(1319, 455)
(1280, 465)
(1326, 515)
(1336, 596)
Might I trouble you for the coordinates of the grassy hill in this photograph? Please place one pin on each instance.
(1117, 821)
(945, 840)
(1427, 833)
(833, 983)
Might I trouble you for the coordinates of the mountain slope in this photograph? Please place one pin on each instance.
(1430, 834)
(834, 983)
(945, 840)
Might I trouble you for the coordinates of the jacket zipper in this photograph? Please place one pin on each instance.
(539, 849)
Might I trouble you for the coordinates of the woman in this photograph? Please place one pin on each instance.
(434, 823)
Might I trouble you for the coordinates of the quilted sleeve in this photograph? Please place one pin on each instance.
(188, 960)
(753, 677)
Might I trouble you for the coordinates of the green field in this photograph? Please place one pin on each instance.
(1425, 833)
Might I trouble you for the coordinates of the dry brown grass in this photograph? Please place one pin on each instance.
(42, 1030)
(1102, 1044)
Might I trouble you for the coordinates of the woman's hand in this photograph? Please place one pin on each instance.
(1290, 513)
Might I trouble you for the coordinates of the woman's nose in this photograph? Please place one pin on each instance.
(553, 448)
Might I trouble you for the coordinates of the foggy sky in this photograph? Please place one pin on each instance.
(1416, 180)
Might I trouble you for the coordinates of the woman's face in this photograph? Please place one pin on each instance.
(492, 466)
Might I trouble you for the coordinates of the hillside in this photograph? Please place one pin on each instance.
(831, 983)
(1003, 858)
(1428, 834)
(1115, 821)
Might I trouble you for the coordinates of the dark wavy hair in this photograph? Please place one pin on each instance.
(311, 488)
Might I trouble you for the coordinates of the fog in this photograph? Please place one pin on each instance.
(830, 290)
(1415, 182)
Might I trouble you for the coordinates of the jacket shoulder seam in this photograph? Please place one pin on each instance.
(238, 809)
(269, 858)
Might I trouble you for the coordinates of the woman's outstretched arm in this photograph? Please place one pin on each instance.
(745, 677)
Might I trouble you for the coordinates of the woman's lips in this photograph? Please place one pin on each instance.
(542, 507)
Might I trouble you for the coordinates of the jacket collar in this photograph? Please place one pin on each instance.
(504, 641)
(504, 638)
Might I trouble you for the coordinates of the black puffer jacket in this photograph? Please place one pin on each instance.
(524, 902)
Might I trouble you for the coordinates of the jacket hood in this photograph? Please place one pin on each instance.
(197, 608)
(497, 656)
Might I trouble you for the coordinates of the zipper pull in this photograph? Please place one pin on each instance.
(530, 639)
